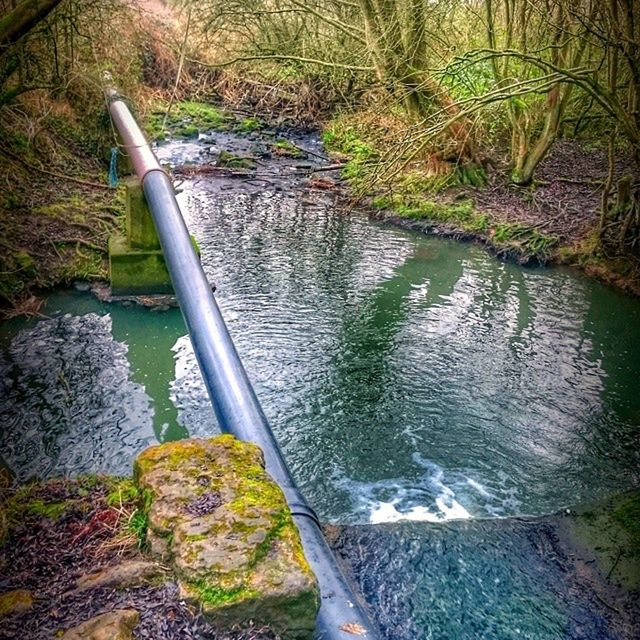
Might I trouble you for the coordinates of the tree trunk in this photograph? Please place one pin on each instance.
(23, 18)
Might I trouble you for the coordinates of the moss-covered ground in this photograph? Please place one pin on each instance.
(188, 119)
(609, 534)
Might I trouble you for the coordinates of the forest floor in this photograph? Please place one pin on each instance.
(69, 551)
(565, 197)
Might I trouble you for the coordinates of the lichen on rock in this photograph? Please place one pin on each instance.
(220, 520)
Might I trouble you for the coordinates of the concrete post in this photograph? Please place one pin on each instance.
(136, 261)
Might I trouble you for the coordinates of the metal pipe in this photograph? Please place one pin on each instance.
(232, 396)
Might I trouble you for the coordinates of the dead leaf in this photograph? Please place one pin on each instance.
(353, 627)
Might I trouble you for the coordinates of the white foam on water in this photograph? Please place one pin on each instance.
(474, 484)
(385, 512)
(435, 495)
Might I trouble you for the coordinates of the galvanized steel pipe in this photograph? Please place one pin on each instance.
(232, 396)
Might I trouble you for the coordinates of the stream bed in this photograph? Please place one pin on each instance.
(426, 395)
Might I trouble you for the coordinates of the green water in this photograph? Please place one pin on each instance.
(405, 377)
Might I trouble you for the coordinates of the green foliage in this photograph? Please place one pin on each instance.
(123, 493)
(186, 120)
(138, 524)
(286, 148)
(348, 141)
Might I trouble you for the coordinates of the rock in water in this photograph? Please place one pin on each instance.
(217, 516)
(114, 625)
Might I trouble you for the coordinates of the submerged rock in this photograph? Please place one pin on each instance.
(216, 515)
(14, 602)
(606, 535)
(114, 625)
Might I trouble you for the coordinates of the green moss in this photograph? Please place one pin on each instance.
(215, 595)
(628, 515)
(196, 537)
(525, 241)
(25, 262)
(124, 492)
(609, 533)
(418, 183)
(249, 124)
(187, 131)
(348, 140)
(587, 255)
(227, 159)
(186, 119)
(460, 214)
(286, 148)
(52, 510)
(26, 501)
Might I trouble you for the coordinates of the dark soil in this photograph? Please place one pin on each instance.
(46, 554)
(565, 197)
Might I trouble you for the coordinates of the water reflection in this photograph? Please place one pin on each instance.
(428, 379)
(68, 404)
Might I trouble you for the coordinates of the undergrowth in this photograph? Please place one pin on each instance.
(415, 191)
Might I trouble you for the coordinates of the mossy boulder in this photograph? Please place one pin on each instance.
(220, 520)
(231, 161)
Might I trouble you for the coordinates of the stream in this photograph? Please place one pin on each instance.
(414, 383)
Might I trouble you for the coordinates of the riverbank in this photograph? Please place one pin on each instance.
(56, 229)
(58, 198)
(554, 220)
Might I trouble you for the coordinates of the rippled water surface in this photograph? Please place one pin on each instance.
(406, 377)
